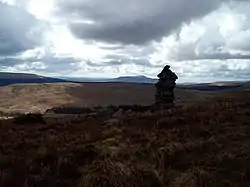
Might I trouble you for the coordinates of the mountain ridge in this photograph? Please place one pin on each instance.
(8, 78)
(128, 79)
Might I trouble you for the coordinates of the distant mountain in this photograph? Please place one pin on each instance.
(134, 79)
(126, 79)
(83, 79)
(17, 78)
(214, 86)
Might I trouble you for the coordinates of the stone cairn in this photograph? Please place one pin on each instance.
(164, 97)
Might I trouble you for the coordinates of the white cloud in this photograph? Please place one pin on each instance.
(42, 9)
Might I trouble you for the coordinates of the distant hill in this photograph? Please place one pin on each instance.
(83, 79)
(17, 78)
(134, 79)
(217, 86)
(125, 79)
(214, 86)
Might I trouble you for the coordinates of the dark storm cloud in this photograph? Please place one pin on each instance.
(131, 21)
(18, 30)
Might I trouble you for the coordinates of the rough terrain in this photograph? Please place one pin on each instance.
(23, 98)
(206, 144)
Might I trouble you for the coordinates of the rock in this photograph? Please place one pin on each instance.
(112, 121)
(106, 112)
(164, 96)
(119, 113)
(129, 112)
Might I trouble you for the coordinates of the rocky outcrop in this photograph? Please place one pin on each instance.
(164, 96)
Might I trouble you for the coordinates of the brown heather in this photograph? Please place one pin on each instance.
(203, 145)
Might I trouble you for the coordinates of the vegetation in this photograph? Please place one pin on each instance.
(29, 118)
(203, 145)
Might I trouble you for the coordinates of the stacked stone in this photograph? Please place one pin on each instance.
(164, 96)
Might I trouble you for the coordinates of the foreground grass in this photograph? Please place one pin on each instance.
(199, 146)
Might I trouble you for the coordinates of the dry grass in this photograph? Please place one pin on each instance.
(34, 97)
(207, 144)
(22, 98)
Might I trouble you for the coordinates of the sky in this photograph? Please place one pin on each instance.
(202, 41)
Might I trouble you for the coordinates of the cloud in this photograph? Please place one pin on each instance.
(37, 60)
(220, 35)
(207, 70)
(17, 65)
(131, 21)
(19, 30)
(201, 40)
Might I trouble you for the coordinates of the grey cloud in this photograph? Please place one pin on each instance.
(57, 64)
(211, 46)
(8, 62)
(223, 56)
(213, 70)
(240, 42)
(113, 60)
(229, 74)
(53, 64)
(18, 30)
(130, 25)
(131, 21)
(107, 63)
(190, 55)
